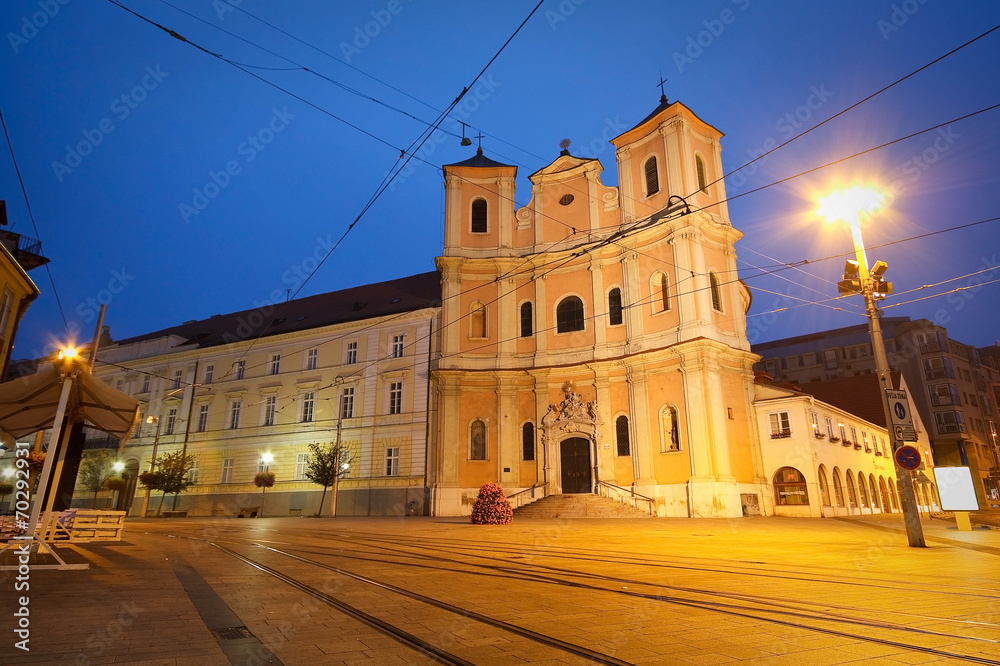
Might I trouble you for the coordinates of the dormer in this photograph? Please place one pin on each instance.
(670, 152)
(479, 207)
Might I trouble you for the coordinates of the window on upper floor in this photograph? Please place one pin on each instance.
(528, 441)
(274, 366)
(569, 315)
(312, 359)
(397, 346)
(944, 394)
(713, 282)
(347, 403)
(652, 177)
(526, 320)
(780, 425)
(396, 398)
(241, 369)
(830, 358)
(699, 165)
(145, 384)
(352, 353)
(209, 373)
(235, 407)
(171, 421)
(202, 418)
(301, 465)
(659, 292)
(178, 376)
(479, 216)
(615, 307)
(308, 406)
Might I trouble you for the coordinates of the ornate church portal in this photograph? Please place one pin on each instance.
(577, 455)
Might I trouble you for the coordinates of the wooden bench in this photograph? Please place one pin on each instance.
(87, 525)
(250, 511)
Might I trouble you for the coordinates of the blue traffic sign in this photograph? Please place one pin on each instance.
(900, 409)
(907, 457)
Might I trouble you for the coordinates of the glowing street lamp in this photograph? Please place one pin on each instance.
(118, 467)
(266, 459)
(847, 205)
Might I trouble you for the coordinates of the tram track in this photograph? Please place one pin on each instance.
(425, 647)
(752, 612)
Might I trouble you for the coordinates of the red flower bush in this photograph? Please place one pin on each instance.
(492, 507)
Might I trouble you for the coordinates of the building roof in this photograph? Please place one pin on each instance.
(860, 395)
(381, 299)
(887, 324)
(478, 160)
(660, 108)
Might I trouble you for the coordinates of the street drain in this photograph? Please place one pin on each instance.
(232, 633)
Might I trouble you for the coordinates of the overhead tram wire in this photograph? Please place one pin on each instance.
(31, 216)
(465, 90)
(857, 104)
(850, 157)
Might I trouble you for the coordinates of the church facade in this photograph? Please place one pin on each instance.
(594, 340)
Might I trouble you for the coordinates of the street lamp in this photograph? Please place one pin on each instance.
(152, 463)
(266, 459)
(847, 205)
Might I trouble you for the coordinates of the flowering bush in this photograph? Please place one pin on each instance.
(492, 507)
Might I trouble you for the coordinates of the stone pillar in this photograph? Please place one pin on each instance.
(639, 418)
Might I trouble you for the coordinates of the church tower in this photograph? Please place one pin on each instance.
(594, 340)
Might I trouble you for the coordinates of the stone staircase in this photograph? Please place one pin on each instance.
(579, 506)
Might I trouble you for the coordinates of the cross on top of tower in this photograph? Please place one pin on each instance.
(480, 136)
(663, 95)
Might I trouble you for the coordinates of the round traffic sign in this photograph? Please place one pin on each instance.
(907, 457)
(900, 410)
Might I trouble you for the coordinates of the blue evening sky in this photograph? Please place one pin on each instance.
(121, 132)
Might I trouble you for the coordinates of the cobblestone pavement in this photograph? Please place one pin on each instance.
(425, 590)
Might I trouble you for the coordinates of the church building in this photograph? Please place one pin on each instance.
(594, 340)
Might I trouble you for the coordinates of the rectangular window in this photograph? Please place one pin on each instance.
(301, 463)
(347, 403)
(943, 395)
(192, 474)
(270, 406)
(120, 384)
(622, 436)
(829, 428)
(843, 433)
(274, 366)
(312, 359)
(815, 424)
(397, 346)
(263, 466)
(209, 373)
(780, 425)
(864, 437)
(171, 421)
(392, 461)
(352, 352)
(308, 406)
(396, 398)
(241, 369)
(938, 367)
(830, 358)
(948, 422)
(202, 418)
(809, 359)
(227, 471)
(145, 384)
(854, 437)
(792, 362)
(178, 376)
(234, 414)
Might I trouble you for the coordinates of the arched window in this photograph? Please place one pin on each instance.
(659, 292)
(713, 281)
(824, 487)
(790, 487)
(621, 435)
(477, 440)
(479, 216)
(892, 495)
(873, 491)
(528, 441)
(670, 437)
(652, 178)
(700, 167)
(569, 315)
(615, 307)
(526, 319)
(862, 490)
(477, 320)
(852, 493)
(884, 492)
(838, 487)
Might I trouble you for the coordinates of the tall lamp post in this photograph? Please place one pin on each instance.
(152, 463)
(846, 205)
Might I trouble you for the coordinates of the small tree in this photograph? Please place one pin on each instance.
(325, 466)
(173, 469)
(263, 480)
(95, 470)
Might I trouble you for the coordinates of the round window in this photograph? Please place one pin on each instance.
(566, 200)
